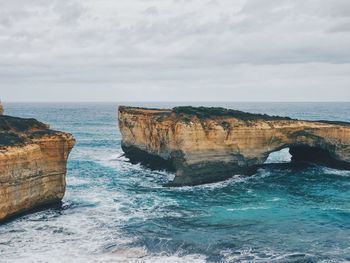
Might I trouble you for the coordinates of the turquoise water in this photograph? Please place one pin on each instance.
(117, 212)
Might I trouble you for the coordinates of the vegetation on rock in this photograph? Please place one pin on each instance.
(211, 112)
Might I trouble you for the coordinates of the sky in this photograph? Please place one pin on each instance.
(175, 50)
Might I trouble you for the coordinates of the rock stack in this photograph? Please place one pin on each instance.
(205, 145)
(32, 164)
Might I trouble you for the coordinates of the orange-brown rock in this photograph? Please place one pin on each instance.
(210, 144)
(32, 164)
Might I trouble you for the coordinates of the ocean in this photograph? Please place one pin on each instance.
(114, 211)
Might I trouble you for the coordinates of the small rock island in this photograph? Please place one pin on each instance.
(203, 145)
(32, 164)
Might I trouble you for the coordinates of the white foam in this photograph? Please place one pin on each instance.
(247, 255)
(138, 255)
(75, 181)
(130, 255)
(342, 173)
(217, 185)
(275, 199)
(248, 208)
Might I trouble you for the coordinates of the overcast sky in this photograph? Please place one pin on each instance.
(175, 50)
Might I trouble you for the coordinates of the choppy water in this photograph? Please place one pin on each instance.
(117, 212)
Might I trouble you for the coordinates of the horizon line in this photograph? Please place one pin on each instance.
(175, 101)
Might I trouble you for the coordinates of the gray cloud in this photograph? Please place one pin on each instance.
(175, 50)
(153, 11)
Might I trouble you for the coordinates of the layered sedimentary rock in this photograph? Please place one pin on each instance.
(210, 144)
(32, 164)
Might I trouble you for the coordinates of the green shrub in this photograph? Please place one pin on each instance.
(210, 112)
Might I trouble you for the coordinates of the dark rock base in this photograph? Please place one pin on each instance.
(148, 160)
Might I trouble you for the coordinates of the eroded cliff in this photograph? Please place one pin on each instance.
(32, 164)
(210, 144)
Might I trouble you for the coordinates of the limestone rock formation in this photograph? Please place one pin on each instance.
(210, 144)
(32, 164)
(1, 109)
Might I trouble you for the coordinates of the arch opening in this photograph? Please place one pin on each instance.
(279, 156)
(305, 153)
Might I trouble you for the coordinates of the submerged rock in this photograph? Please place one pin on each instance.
(32, 164)
(205, 145)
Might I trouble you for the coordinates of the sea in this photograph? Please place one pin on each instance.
(114, 211)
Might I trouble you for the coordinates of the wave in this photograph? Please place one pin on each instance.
(249, 208)
(130, 255)
(265, 255)
(140, 255)
(333, 171)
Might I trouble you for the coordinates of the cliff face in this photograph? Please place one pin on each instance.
(32, 164)
(210, 144)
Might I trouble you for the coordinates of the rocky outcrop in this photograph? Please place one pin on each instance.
(210, 144)
(1, 109)
(32, 164)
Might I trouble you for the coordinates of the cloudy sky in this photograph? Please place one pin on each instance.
(175, 50)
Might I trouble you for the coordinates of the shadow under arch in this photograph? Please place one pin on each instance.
(301, 153)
